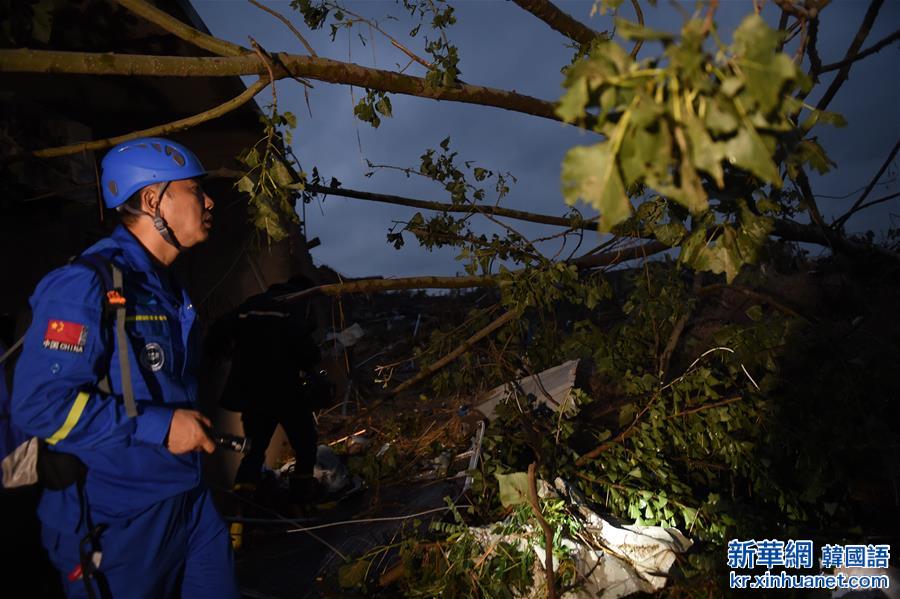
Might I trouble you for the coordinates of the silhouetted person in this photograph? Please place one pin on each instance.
(273, 380)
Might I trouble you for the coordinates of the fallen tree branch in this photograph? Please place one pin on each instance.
(548, 531)
(876, 47)
(161, 130)
(380, 285)
(759, 295)
(182, 30)
(560, 21)
(858, 40)
(718, 404)
(810, 198)
(613, 257)
(794, 231)
(462, 349)
(435, 282)
(287, 22)
(880, 200)
(310, 67)
(545, 219)
(677, 330)
(595, 452)
(858, 203)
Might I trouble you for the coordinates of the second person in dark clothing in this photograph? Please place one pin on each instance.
(274, 380)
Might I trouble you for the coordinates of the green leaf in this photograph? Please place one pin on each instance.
(706, 154)
(835, 119)
(645, 155)
(590, 173)
(353, 575)
(513, 488)
(720, 120)
(811, 152)
(626, 414)
(281, 174)
(670, 234)
(754, 313)
(251, 158)
(245, 185)
(634, 31)
(571, 105)
(42, 21)
(383, 106)
(766, 70)
(608, 5)
(690, 515)
(747, 151)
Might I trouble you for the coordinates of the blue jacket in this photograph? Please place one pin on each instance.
(70, 346)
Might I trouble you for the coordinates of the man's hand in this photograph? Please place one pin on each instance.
(187, 433)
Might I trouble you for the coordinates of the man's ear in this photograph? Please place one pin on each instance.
(149, 199)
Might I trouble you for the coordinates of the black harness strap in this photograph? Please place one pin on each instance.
(114, 302)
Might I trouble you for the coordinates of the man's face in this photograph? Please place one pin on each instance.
(188, 210)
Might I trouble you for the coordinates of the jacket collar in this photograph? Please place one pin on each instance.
(134, 253)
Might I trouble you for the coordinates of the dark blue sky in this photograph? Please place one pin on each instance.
(502, 46)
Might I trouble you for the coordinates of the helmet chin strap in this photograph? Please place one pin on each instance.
(162, 227)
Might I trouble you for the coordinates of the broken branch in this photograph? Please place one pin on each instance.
(179, 29)
(179, 125)
(462, 349)
(545, 219)
(548, 531)
(858, 203)
(287, 22)
(559, 21)
(876, 47)
(311, 67)
(844, 72)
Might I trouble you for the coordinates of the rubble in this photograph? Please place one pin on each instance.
(618, 562)
(551, 387)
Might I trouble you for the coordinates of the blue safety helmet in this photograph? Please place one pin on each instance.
(134, 164)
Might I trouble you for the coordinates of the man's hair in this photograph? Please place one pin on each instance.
(133, 202)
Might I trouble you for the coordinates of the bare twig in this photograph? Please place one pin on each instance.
(287, 22)
(181, 30)
(160, 130)
(815, 63)
(856, 205)
(710, 14)
(880, 200)
(876, 47)
(810, 198)
(548, 531)
(843, 73)
(782, 27)
(718, 404)
(797, 9)
(409, 53)
(640, 17)
(546, 219)
(267, 60)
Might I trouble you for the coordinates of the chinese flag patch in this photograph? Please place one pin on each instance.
(66, 336)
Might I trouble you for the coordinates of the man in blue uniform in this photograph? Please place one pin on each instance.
(139, 524)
